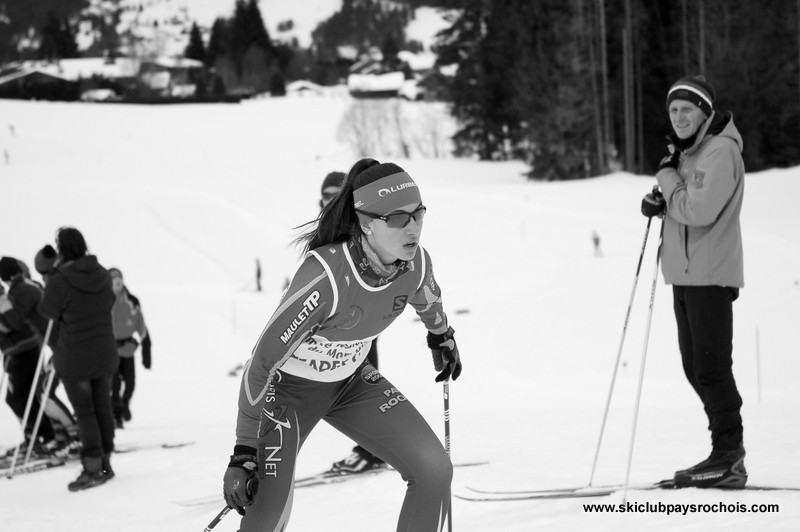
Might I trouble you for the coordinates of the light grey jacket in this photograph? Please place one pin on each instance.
(702, 236)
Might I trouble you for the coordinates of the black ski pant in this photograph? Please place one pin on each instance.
(91, 400)
(123, 385)
(704, 315)
(21, 369)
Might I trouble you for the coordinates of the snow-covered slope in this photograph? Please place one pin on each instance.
(184, 199)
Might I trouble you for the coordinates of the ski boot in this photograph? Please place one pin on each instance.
(722, 469)
(107, 471)
(358, 461)
(92, 475)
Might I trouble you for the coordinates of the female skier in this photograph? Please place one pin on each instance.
(363, 265)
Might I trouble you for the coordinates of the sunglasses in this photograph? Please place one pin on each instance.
(398, 220)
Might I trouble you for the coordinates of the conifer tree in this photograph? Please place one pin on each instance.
(459, 46)
(58, 39)
(217, 42)
(248, 30)
(195, 49)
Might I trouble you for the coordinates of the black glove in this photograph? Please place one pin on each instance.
(671, 160)
(240, 482)
(653, 204)
(445, 355)
(146, 351)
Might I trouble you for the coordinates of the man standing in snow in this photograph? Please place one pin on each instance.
(702, 185)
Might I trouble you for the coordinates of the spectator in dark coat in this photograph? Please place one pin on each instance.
(79, 297)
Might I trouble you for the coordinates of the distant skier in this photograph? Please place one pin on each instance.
(363, 266)
(128, 325)
(702, 186)
(596, 242)
(360, 459)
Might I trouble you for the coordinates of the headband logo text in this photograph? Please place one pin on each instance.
(386, 191)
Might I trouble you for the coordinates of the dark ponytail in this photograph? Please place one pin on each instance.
(338, 221)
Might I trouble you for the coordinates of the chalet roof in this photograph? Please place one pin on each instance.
(14, 74)
(74, 69)
(87, 67)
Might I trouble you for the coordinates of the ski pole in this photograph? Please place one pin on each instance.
(31, 395)
(446, 394)
(214, 522)
(42, 404)
(3, 376)
(251, 487)
(619, 352)
(641, 370)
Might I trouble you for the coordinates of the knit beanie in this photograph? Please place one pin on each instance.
(695, 90)
(114, 272)
(9, 267)
(334, 179)
(45, 260)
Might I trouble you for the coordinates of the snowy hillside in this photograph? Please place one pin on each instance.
(183, 199)
(165, 24)
(304, 14)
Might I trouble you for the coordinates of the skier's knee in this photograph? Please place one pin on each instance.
(434, 473)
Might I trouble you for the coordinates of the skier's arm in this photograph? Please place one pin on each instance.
(714, 183)
(141, 328)
(305, 305)
(26, 298)
(51, 305)
(5, 306)
(12, 318)
(427, 301)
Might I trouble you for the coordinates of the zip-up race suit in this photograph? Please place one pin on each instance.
(310, 364)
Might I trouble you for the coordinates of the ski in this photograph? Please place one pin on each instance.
(333, 477)
(320, 479)
(480, 495)
(5, 463)
(151, 446)
(32, 467)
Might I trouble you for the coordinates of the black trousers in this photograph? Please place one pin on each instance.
(21, 369)
(704, 315)
(124, 382)
(91, 400)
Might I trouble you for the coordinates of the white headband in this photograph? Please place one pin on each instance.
(692, 89)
